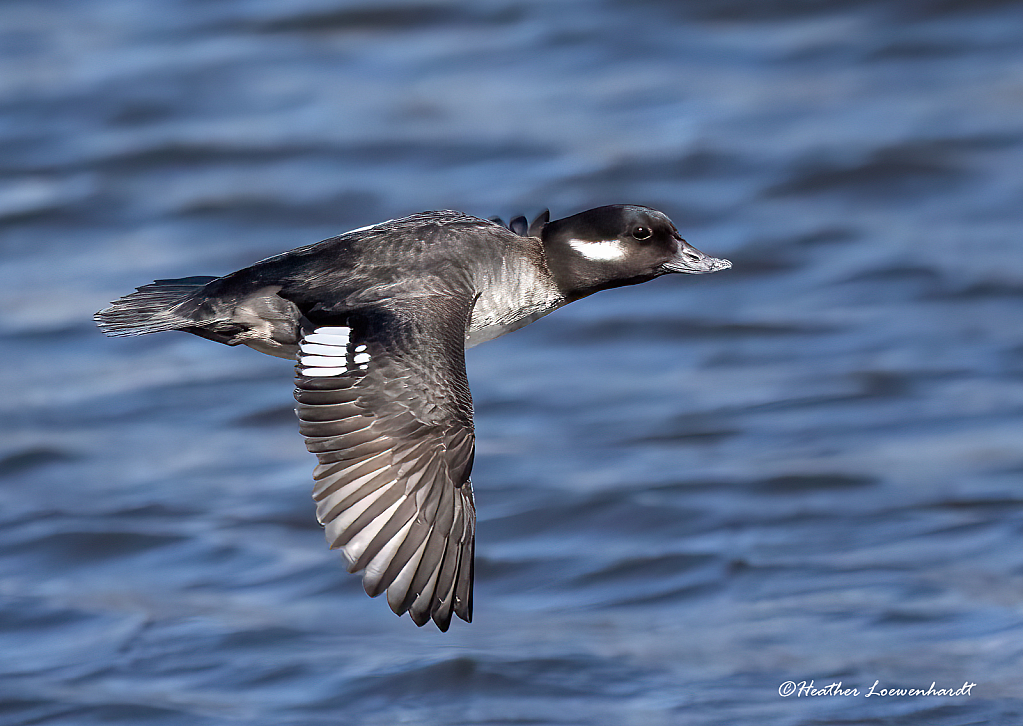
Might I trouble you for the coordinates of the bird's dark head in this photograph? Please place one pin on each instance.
(620, 244)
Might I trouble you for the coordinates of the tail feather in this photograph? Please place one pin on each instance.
(151, 308)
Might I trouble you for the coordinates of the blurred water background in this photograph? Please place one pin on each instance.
(689, 492)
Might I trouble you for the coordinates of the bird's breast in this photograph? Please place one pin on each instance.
(509, 298)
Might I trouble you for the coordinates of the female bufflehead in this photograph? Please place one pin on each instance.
(378, 320)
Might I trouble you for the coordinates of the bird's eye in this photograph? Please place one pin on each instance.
(642, 233)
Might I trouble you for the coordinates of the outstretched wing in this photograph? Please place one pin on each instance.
(384, 403)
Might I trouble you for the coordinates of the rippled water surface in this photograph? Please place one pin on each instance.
(689, 492)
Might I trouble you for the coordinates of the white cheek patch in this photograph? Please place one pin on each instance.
(324, 352)
(603, 251)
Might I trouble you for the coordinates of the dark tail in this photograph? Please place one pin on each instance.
(151, 308)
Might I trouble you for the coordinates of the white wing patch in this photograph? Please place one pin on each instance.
(603, 250)
(324, 352)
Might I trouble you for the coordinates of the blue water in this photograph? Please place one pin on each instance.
(809, 467)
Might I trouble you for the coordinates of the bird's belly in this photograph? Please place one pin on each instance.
(270, 323)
